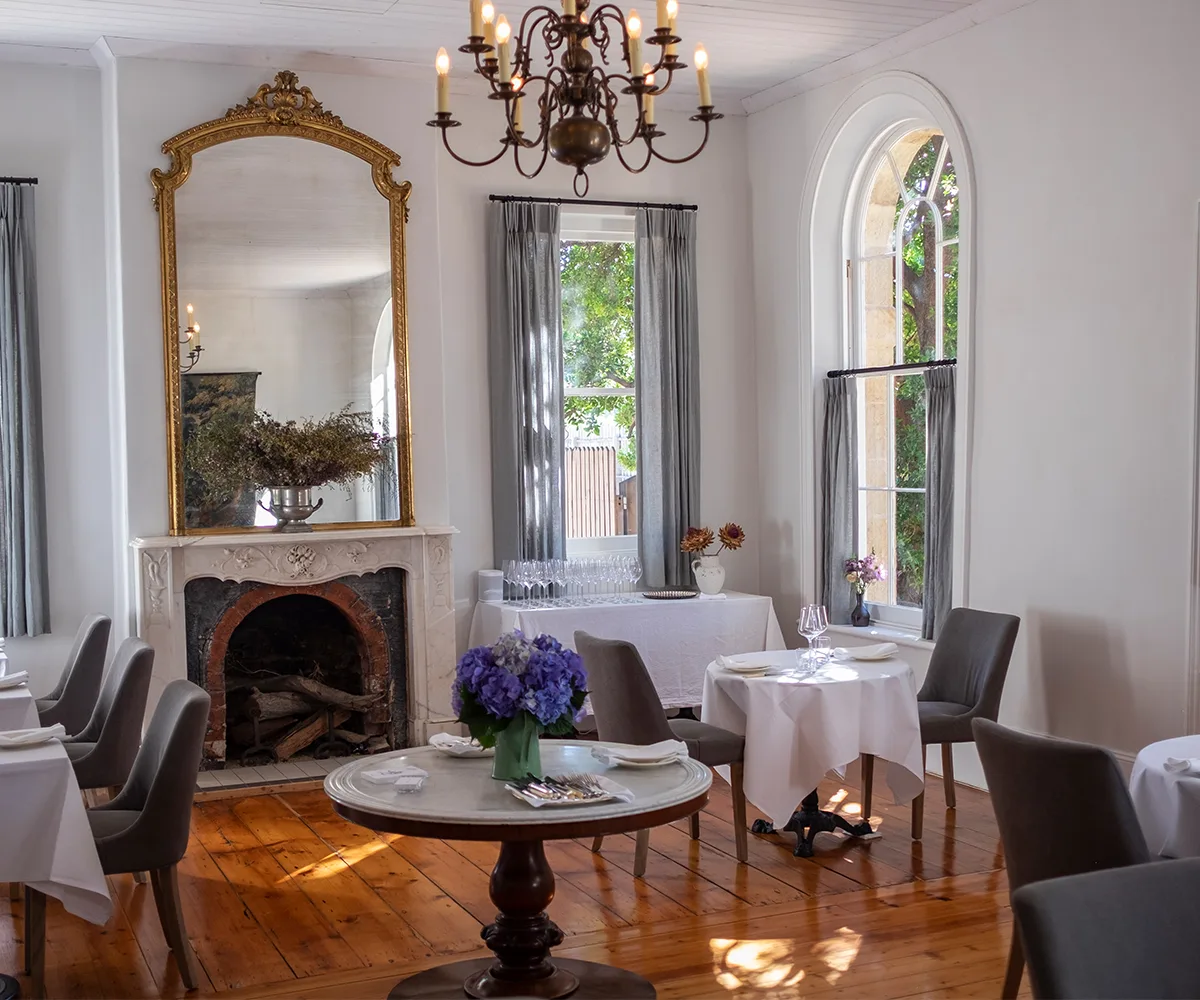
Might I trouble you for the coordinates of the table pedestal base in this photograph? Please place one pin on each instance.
(522, 886)
(811, 818)
(593, 982)
(10, 989)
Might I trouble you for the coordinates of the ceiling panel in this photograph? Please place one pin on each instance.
(753, 44)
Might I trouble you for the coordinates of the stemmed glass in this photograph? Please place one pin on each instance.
(814, 620)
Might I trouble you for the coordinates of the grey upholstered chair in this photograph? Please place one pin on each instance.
(1062, 808)
(145, 828)
(1121, 933)
(103, 752)
(73, 698)
(628, 710)
(964, 682)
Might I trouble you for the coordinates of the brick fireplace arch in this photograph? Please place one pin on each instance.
(373, 649)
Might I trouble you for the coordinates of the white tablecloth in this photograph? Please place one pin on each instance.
(17, 709)
(797, 728)
(677, 639)
(45, 840)
(1168, 805)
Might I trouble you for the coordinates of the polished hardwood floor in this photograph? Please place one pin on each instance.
(285, 899)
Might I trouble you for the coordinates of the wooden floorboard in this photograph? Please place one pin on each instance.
(282, 897)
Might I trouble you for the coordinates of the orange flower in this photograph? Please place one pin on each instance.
(732, 536)
(696, 540)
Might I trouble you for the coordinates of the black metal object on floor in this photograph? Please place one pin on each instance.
(10, 989)
(809, 820)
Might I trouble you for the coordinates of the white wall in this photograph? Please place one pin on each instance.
(50, 129)
(1080, 116)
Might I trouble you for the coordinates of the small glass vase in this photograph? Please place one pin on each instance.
(859, 616)
(517, 751)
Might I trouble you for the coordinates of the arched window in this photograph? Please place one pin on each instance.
(903, 280)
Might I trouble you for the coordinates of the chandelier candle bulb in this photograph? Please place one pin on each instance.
(503, 34)
(476, 19)
(195, 337)
(569, 8)
(488, 13)
(443, 82)
(702, 77)
(517, 113)
(648, 98)
(583, 39)
(634, 27)
(672, 13)
(663, 20)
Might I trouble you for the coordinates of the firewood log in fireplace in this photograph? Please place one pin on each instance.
(316, 692)
(264, 705)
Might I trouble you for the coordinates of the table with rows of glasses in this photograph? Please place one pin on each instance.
(676, 639)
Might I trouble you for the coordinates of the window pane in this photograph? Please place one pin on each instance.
(920, 283)
(909, 561)
(876, 513)
(945, 196)
(597, 304)
(873, 470)
(878, 345)
(950, 299)
(879, 218)
(919, 175)
(910, 431)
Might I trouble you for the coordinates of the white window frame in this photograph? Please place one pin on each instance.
(599, 225)
(892, 613)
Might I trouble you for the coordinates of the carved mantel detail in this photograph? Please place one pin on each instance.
(166, 564)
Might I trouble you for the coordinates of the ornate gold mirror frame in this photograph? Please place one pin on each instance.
(285, 109)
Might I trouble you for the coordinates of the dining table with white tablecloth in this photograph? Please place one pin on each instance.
(676, 639)
(802, 722)
(1165, 787)
(47, 841)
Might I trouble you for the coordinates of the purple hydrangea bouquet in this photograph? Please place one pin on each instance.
(511, 692)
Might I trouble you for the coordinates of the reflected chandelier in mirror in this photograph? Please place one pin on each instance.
(279, 240)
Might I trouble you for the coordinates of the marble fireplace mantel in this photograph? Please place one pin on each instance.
(166, 564)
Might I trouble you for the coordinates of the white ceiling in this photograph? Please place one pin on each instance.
(277, 214)
(753, 44)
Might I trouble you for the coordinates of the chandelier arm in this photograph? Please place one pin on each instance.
(472, 163)
(625, 163)
(541, 163)
(610, 114)
(691, 156)
(524, 37)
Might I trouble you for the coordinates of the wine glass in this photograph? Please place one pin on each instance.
(509, 568)
(814, 620)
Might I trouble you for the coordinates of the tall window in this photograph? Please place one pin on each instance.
(903, 280)
(600, 398)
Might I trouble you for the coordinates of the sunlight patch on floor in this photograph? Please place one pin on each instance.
(838, 952)
(763, 964)
(334, 863)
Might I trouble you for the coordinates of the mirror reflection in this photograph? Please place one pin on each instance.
(284, 278)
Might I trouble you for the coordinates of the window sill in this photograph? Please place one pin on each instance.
(886, 633)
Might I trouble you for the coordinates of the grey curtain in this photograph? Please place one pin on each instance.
(667, 337)
(24, 587)
(526, 380)
(939, 498)
(839, 497)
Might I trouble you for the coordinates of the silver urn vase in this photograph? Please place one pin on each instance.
(291, 507)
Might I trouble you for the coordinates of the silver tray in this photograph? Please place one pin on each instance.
(670, 594)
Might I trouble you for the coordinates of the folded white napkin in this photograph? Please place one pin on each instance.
(664, 749)
(31, 737)
(765, 659)
(1182, 765)
(408, 778)
(618, 792)
(13, 680)
(879, 651)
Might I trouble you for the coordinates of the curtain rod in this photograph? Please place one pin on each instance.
(590, 201)
(884, 369)
(18, 180)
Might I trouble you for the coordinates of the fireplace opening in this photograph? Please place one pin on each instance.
(296, 682)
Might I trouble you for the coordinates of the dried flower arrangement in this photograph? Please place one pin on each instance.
(697, 540)
(229, 452)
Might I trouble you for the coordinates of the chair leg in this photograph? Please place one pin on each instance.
(1016, 965)
(948, 774)
(694, 825)
(597, 844)
(139, 878)
(866, 763)
(35, 941)
(918, 804)
(736, 774)
(641, 853)
(170, 912)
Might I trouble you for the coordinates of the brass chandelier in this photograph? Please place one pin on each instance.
(576, 98)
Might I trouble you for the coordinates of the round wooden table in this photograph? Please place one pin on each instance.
(461, 801)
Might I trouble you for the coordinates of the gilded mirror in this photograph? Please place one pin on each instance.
(283, 286)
